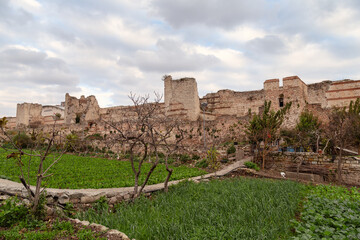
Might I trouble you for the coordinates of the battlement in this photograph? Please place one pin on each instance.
(181, 100)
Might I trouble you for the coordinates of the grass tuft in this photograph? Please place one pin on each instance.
(229, 209)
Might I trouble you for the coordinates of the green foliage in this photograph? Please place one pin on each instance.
(212, 158)
(195, 157)
(3, 122)
(202, 163)
(307, 122)
(45, 230)
(307, 130)
(101, 204)
(69, 209)
(252, 165)
(22, 140)
(96, 136)
(88, 172)
(231, 149)
(229, 209)
(12, 212)
(63, 226)
(184, 158)
(329, 213)
(72, 142)
(264, 127)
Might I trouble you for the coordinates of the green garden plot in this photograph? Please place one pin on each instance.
(75, 172)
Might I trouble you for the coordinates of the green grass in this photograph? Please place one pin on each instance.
(229, 209)
(46, 230)
(75, 172)
(329, 212)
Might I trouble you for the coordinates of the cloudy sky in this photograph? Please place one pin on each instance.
(110, 48)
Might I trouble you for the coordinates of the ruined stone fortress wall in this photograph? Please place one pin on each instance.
(181, 100)
(33, 113)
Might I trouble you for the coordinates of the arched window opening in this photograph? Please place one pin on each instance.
(281, 100)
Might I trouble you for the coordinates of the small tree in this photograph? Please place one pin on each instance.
(264, 127)
(39, 141)
(308, 131)
(343, 129)
(146, 130)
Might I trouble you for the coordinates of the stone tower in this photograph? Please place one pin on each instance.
(182, 98)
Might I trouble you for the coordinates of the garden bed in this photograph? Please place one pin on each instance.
(76, 172)
(228, 209)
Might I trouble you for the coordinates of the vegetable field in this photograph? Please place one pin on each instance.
(329, 212)
(75, 172)
(229, 209)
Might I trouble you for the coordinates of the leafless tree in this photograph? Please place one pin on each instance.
(146, 130)
(39, 141)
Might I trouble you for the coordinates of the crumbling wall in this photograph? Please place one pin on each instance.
(182, 98)
(27, 113)
(81, 110)
(317, 93)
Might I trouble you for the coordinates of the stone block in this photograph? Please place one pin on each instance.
(87, 199)
(63, 199)
(85, 223)
(99, 227)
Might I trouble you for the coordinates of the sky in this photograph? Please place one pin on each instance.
(110, 48)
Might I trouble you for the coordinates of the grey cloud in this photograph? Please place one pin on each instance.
(20, 65)
(343, 47)
(168, 57)
(269, 44)
(13, 16)
(217, 13)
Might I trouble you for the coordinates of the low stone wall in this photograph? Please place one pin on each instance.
(317, 163)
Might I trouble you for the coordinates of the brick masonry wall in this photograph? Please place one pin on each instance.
(323, 163)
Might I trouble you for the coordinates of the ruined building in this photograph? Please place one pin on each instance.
(182, 100)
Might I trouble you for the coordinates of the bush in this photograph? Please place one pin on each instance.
(22, 140)
(231, 149)
(184, 158)
(195, 157)
(12, 212)
(212, 155)
(252, 165)
(202, 164)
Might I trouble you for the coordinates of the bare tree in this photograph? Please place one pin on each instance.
(147, 131)
(343, 129)
(39, 141)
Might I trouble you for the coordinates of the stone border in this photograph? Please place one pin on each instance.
(114, 234)
(114, 195)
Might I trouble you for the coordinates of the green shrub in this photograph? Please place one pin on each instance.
(231, 149)
(22, 140)
(63, 226)
(202, 164)
(224, 160)
(184, 158)
(12, 212)
(212, 158)
(252, 165)
(101, 204)
(195, 157)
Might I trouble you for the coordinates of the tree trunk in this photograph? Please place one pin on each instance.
(298, 168)
(264, 155)
(339, 168)
(170, 171)
(146, 180)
